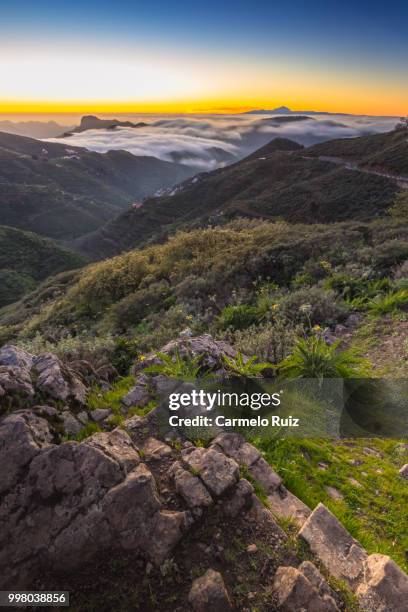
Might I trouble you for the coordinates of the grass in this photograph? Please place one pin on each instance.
(97, 398)
(375, 512)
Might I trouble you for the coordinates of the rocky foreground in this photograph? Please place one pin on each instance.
(132, 518)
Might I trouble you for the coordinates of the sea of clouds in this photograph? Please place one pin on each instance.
(210, 141)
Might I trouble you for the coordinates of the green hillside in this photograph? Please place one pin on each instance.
(280, 181)
(63, 192)
(26, 259)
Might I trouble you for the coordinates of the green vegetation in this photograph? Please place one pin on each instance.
(298, 188)
(71, 191)
(27, 259)
(313, 358)
(246, 368)
(365, 472)
(389, 302)
(177, 367)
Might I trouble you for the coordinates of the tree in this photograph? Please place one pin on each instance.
(403, 124)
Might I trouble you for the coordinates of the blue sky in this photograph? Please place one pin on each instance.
(361, 41)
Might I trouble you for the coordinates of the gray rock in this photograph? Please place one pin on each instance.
(11, 355)
(283, 503)
(334, 493)
(57, 380)
(138, 396)
(217, 471)
(190, 487)
(22, 436)
(117, 445)
(385, 586)
(234, 445)
(311, 572)
(240, 501)
(342, 556)
(264, 474)
(208, 593)
(155, 449)
(100, 414)
(63, 505)
(83, 417)
(46, 411)
(404, 471)
(297, 594)
(16, 383)
(71, 426)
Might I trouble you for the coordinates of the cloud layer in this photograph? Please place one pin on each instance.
(208, 142)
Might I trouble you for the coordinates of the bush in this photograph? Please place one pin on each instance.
(272, 342)
(124, 354)
(313, 358)
(314, 306)
(238, 317)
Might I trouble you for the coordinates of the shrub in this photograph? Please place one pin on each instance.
(323, 307)
(271, 342)
(124, 353)
(313, 358)
(388, 303)
(238, 317)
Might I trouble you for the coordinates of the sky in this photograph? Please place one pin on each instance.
(208, 57)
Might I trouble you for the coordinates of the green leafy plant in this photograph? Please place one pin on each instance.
(124, 354)
(313, 358)
(238, 317)
(388, 303)
(176, 367)
(247, 368)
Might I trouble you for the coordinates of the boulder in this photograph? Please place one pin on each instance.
(57, 380)
(139, 395)
(71, 426)
(208, 593)
(211, 352)
(218, 472)
(63, 505)
(332, 544)
(297, 594)
(11, 355)
(385, 586)
(264, 474)
(15, 382)
(100, 414)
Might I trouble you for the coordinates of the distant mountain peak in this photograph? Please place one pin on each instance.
(282, 109)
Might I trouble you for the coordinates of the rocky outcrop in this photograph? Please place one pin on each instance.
(334, 546)
(208, 593)
(385, 586)
(296, 592)
(209, 353)
(378, 582)
(23, 376)
(61, 505)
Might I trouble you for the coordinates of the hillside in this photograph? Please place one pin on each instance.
(64, 192)
(26, 259)
(296, 185)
